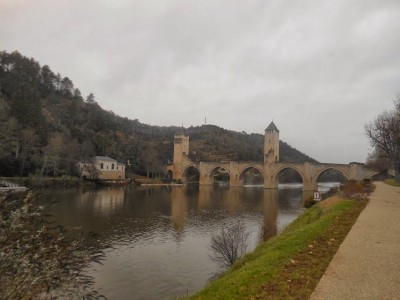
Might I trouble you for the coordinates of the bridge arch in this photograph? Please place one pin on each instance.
(331, 168)
(275, 177)
(379, 175)
(191, 173)
(247, 168)
(219, 174)
(217, 167)
(370, 176)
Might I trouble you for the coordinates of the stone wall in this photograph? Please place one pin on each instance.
(116, 174)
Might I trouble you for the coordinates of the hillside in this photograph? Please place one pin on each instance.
(46, 127)
(212, 143)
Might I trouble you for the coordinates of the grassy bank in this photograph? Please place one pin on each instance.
(391, 182)
(290, 265)
(35, 182)
(144, 180)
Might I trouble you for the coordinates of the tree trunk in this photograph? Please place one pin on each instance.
(397, 174)
(22, 168)
(44, 166)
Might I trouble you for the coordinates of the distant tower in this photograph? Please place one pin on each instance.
(271, 144)
(181, 154)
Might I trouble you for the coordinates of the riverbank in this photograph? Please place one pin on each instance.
(33, 182)
(366, 265)
(291, 264)
(391, 182)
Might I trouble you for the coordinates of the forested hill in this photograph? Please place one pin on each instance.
(46, 127)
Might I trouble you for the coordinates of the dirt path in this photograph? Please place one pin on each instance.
(367, 264)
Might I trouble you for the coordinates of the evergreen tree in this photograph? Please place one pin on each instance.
(66, 87)
(47, 80)
(90, 99)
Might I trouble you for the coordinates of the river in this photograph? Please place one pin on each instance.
(159, 237)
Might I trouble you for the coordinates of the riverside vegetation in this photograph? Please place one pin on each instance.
(392, 182)
(39, 259)
(290, 265)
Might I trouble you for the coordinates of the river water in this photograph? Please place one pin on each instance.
(159, 237)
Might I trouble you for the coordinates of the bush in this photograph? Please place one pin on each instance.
(356, 190)
(332, 191)
(229, 244)
(37, 260)
(309, 202)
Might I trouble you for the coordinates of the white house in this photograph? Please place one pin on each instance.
(104, 167)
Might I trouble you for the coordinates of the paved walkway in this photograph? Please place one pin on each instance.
(367, 264)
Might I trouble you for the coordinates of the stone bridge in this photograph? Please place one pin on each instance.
(309, 172)
(269, 169)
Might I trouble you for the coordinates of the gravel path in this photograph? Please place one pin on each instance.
(367, 263)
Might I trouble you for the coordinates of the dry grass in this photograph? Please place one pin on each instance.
(329, 202)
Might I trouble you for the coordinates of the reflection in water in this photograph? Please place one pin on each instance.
(270, 213)
(178, 209)
(160, 237)
(106, 202)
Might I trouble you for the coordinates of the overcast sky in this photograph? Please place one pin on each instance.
(320, 69)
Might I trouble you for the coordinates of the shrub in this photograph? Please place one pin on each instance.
(309, 202)
(356, 190)
(37, 260)
(229, 244)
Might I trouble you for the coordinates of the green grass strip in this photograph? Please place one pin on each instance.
(391, 182)
(290, 265)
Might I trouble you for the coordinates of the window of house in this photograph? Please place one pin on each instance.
(107, 167)
(101, 166)
(117, 167)
(112, 166)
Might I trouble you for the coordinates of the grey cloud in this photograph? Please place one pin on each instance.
(320, 69)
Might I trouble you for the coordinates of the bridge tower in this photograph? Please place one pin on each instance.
(181, 154)
(271, 144)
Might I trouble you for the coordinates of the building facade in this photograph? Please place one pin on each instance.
(104, 168)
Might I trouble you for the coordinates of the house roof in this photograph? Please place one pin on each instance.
(272, 127)
(104, 158)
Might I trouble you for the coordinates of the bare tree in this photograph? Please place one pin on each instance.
(8, 136)
(90, 169)
(53, 154)
(150, 159)
(229, 244)
(27, 143)
(378, 160)
(384, 133)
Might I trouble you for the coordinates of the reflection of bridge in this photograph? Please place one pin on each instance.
(269, 169)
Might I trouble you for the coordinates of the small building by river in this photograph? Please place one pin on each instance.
(103, 168)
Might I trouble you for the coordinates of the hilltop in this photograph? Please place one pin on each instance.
(47, 126)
